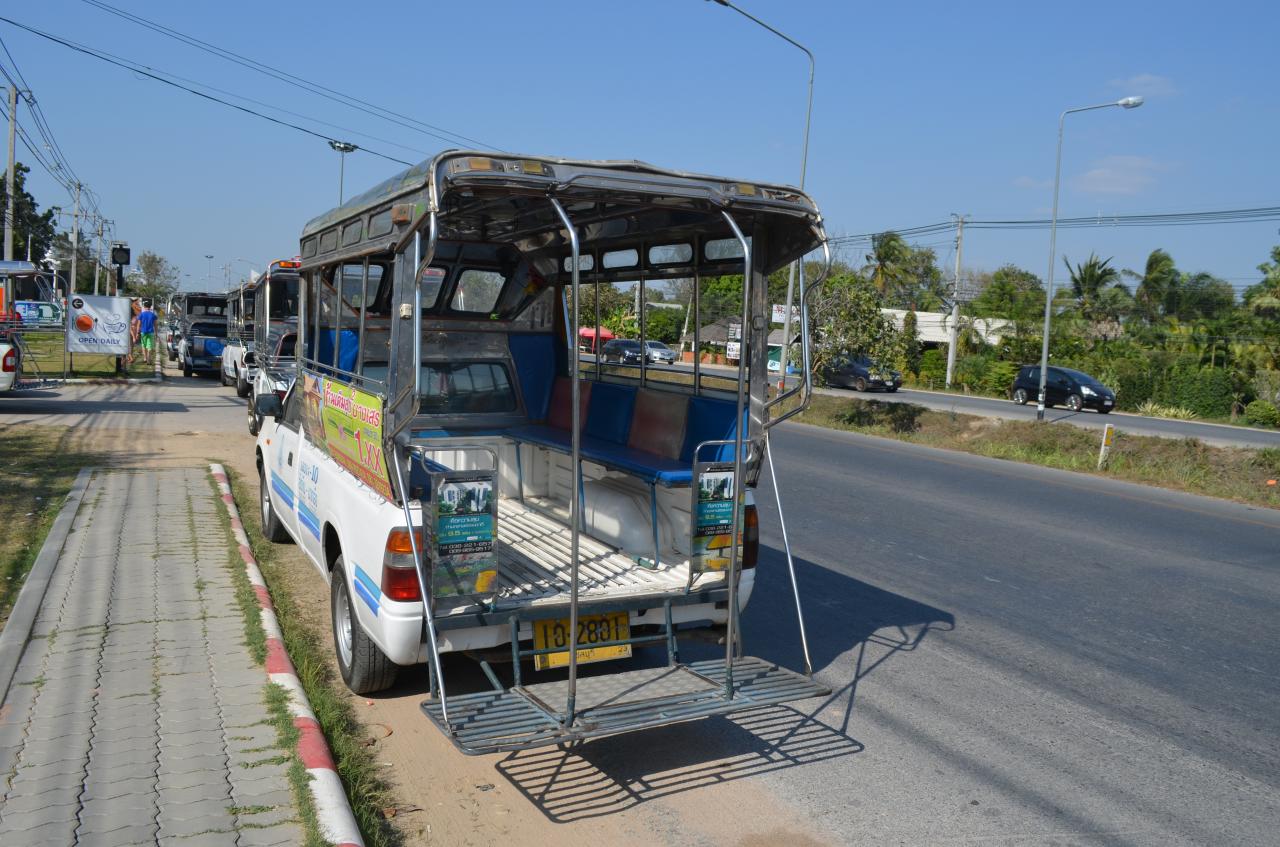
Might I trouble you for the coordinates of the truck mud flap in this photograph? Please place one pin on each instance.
(522, 717)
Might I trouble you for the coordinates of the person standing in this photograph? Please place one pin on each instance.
(147, 331)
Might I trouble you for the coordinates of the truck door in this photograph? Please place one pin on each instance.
(282, 461)
(310, 478)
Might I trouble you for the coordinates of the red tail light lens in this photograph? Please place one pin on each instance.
(750, 537)
(10, 363)
(400, 584)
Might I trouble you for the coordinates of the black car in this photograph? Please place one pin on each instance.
(861, 374)
(624, 351)
(1063, 387)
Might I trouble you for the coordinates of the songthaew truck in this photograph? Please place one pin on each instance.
(468, 481)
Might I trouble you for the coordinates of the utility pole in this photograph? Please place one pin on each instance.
(97, 259)
(75, 241)
(9, 177)
(954, 327)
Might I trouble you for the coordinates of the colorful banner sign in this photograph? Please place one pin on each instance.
(98, 325)
(713, 518)
(465, 561)
(347, 423)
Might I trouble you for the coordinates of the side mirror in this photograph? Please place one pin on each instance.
(251, 359)
(268, 406)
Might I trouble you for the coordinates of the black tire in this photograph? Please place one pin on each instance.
(363, 666)
(255, 422)
(272, 529)
(1105, 410)
(222, 377)
(242, 386)
(186, 368)
(1020, 396)
(1075, 402)
(859, 384)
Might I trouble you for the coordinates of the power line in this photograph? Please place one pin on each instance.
(296, 81)
(88, 51)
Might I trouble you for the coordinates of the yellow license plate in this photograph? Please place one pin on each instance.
(592, 629)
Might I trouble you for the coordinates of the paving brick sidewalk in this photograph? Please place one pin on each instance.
(137, 715)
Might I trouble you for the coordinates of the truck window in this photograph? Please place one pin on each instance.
(477, 291)
(462, 388)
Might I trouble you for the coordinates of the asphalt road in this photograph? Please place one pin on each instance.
(1221, 435)
(1017, 655)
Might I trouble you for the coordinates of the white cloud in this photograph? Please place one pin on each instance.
(1035, 184)
(1147, 85)
(1118, 175)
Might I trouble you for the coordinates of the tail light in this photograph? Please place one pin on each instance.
(750, 536)
(10, 362)
(399, 573)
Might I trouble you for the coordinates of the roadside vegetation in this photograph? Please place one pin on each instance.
(46, 361)
(36, 471)
(1246, 476)
(310, 651)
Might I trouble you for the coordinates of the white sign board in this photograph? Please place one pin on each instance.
(735, 331)
(98, 325)
(779, 313)
(732, 349)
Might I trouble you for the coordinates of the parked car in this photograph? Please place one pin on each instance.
(861, 373)
(624, 351)
(1063, 387)
(659, 353)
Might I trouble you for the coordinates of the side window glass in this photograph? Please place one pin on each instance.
(292, 407)
(477, 291)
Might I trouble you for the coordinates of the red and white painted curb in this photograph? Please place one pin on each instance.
(333, 809)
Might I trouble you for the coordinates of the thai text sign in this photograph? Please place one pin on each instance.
(465, 524)
(348, 423)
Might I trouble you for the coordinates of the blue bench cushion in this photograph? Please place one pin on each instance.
(710, 420)
(647, 466)
(609, 413)
(347, 355)
(534, 356)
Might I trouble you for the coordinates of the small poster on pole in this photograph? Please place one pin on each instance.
(779, 313)
(465, 561)
(713, 518)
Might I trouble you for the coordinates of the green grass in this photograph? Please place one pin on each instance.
(36, 472)
(1182, 464)
(46, 360)
(368, 792)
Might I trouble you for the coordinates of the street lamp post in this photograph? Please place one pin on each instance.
(343, 148)
(208, 274)
(1125, 103)
(804, 163)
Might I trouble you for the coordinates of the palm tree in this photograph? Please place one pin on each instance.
(888, 253)
(1158, 287)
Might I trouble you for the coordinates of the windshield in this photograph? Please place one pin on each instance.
(627, 345)
(284, 297)
(1080, 377)
(657, 345)
(197, 306)
(208, 329)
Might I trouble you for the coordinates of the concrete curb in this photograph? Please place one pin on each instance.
(13, 638)
(333, 808)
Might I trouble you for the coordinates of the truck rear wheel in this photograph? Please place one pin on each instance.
(242, 386)
(272, 529)
(363, 666)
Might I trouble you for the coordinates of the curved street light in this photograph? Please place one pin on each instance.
(343, 148)
(1123, 103)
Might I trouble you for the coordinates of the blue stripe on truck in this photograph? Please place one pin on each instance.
(367, 589)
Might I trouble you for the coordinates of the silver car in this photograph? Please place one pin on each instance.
(659, 353)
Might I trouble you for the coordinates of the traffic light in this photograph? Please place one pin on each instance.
(119, 253)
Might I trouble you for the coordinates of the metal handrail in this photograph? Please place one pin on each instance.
(420, 568)
(739, 484)
(791, 565)
(575, 508)
(806, 358)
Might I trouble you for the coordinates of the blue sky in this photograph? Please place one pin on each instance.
(920, 110)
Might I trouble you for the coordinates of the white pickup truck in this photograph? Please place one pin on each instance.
(465, 486)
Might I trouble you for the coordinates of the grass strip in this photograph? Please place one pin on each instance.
(1244, 475)
(36, 472)
(46, 349)
(368, 792)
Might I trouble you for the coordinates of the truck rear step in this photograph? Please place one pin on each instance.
(521, 717)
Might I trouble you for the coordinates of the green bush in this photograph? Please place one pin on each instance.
(998, 377)
(1205, 391)
(1262, 413)
(971, 371)
(933, 367)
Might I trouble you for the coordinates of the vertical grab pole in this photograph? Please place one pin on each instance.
(786, 544)
(575, 507)
(432, 651)
(731, 627)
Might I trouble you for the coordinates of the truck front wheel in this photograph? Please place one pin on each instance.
(363, 666)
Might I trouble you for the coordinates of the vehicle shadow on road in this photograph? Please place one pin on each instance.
(853, 629)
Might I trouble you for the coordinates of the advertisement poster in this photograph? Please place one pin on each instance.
(465, 530)
(38, 312)
(348, 423)
(713, 520)
(98, 325)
